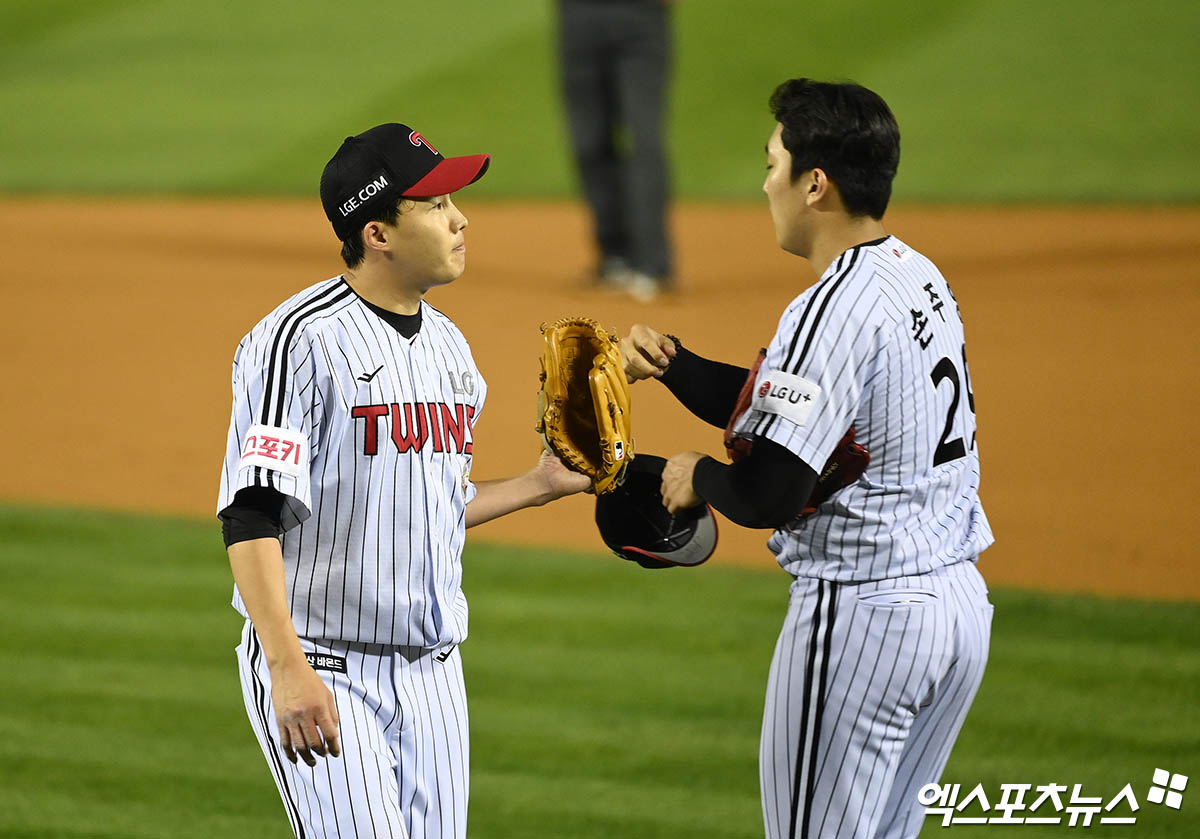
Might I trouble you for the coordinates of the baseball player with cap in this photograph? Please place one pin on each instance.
(345, 497)
(886, 635)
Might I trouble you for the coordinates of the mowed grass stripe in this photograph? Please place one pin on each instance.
(1014, 101)
(605, 700)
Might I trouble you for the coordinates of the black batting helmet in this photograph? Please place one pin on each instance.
(636, 526)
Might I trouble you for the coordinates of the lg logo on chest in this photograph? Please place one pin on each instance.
(462, 384)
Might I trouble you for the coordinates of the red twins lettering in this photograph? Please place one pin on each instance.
(371, 413)
(454, 427)
(415, 435)
(435, 426)
(415, 425)
(417, 140)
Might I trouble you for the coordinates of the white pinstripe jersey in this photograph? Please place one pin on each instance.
(876, 343)
(369, 436)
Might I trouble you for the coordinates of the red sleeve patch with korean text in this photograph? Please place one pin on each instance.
(279, 449)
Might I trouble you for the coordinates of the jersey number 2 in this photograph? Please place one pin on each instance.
(952, 448)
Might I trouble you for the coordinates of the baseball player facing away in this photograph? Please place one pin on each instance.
(886, 635)
(345, 498)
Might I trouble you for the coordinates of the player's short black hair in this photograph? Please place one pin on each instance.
(846, 130)
(352, 247)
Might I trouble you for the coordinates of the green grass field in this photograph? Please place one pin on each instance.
(1016, 100)
(606, 701)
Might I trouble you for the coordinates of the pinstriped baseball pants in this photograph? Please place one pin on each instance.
(868, 689)
(403, 772)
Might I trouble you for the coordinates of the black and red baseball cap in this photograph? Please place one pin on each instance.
(636, 526)
(389, 161)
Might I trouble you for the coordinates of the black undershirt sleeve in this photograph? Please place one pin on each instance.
(709, 389)
(766, 489)
(254, 514)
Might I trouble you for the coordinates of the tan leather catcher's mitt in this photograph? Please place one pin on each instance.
(583, 406)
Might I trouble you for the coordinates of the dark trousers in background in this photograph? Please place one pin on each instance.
(616, 58)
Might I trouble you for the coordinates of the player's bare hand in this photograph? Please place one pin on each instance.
(676, 487)
(307, 716)
(646, 353)
(556, 480)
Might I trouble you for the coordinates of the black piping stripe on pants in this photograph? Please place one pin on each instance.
(814, 698)
(264, 697)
